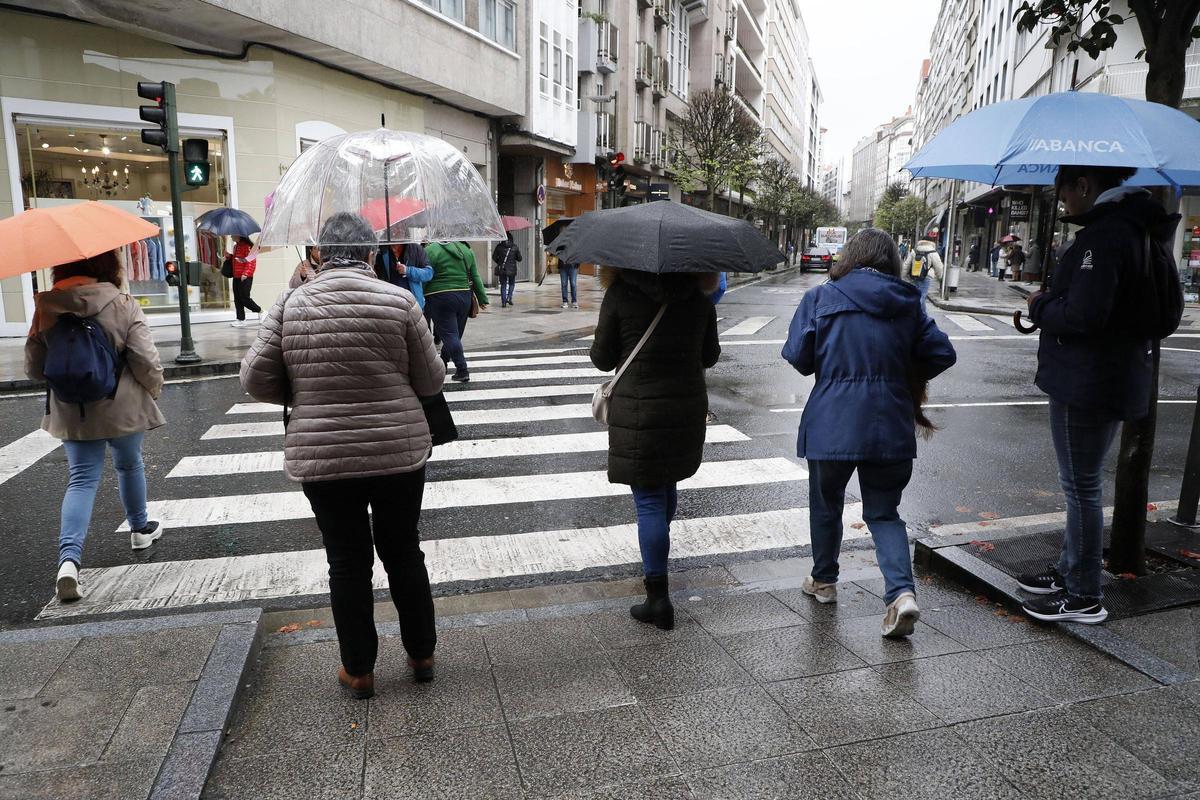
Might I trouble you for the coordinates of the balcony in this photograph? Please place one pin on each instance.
(1128, 80)
(730, 22)
(661, 77)
(749, 33)
(644, 74)
(697, 10)
(608, 45)
(750, 106)
(724, 73)
(662, 12)
(643, 142)
(660, 156)
(606, 133)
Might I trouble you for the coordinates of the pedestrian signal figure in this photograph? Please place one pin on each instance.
(922, 265)
(1096, 360)
(661, 330)
(352, 355)
(505, 257)
(873, 349)
(454, 295)
(91, 344)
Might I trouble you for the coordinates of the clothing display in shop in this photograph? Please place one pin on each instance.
(144, 260)
(209, 249)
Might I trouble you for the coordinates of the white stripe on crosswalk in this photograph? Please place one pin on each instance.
(255, 408)
(535, 374)
(594, 441)
(528, 362)
(968, 323)
(176, 584)
(455, 395)
(542, 351)
(18, 456)
(277, 506)
(749, 326)
(486, 416)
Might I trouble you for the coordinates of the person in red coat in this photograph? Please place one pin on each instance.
(243, 280)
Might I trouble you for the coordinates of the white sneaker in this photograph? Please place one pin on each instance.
(141, 539)
(574, 305)
(821, 592)
(66, 588)
(564, 305)
(237, 323)
(901, 617)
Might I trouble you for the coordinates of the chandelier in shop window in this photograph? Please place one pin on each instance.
(103, 181)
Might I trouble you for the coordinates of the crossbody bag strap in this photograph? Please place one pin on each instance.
(613, 383)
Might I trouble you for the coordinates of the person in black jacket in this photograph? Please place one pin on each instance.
(1095, 362)
(505, 257)
(658, 411)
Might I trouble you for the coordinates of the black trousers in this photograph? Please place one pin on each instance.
(348, 531)
(242, 299)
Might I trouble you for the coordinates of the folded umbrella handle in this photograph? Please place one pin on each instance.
(1019, 325)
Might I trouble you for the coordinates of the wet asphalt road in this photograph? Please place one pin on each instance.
(983, 462)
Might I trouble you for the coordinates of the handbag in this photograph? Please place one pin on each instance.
(227, 267)
(437, 415)
(474, 312)
(601, 397)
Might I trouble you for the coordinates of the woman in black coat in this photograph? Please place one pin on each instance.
(658, 411)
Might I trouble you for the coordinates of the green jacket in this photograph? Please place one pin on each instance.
(454, 270)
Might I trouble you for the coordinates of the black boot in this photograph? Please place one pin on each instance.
(657, 609)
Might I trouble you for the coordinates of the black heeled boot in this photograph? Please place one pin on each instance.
(657, 609)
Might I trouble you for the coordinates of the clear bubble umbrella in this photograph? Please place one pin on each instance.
(409, 186)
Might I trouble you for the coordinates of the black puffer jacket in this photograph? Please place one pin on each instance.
(658, 411)
(1092, 354)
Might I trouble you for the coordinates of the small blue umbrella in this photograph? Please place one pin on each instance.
(227, 222)
(1023, 142)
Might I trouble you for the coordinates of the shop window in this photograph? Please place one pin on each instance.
(65, 163)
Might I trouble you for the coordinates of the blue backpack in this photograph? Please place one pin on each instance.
(82, 366)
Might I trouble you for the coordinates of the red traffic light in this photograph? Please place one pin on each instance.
(619, 158)
(150, 90)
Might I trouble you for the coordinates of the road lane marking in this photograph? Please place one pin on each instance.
(1162, 401)
(175, 584)
(523, 489)
(968, 323)
(749, 326)
(590, 442)
(20, 455)
(1028, 521)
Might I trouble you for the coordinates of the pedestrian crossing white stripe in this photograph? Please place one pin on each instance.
(749, 326)
(18, 456)
(255, 408)
(968, 323)
(455, 395)
(593, 441)
(486, 416)
(175, 584)
(277, 506)
(536, 374)
(528, 362)
(542, 351)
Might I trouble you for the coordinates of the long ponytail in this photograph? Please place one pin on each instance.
(919, 389)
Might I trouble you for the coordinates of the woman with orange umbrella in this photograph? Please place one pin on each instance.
(89, 341)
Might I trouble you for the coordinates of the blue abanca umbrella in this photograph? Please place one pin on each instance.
(227, 222)
(1023, 142)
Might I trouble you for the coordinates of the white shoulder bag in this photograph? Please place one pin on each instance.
(600, 398)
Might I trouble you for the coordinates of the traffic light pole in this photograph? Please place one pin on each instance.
(187, 348)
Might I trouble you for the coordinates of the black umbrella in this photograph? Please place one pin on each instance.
(227, 222)
(665, 237)
(552, 231)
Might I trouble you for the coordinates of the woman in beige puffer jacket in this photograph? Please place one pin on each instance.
(91, 289)
(351, 355)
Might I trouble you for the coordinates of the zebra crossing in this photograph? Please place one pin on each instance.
(523, 492)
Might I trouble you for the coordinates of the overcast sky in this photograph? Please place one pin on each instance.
(867, 55)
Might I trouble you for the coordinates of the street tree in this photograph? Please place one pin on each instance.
(807, 209)
(775, 184)
(716, 143)
(893, 194)
(1167, 28)
(903, 216)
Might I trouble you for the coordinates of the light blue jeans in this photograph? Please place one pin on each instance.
(568, 276)
(85, 460)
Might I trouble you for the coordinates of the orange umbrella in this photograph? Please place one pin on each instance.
(47, 237)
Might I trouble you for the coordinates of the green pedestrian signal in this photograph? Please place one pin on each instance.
(196, 173)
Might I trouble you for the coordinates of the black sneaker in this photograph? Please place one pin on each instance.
(1047, 582)
(1062, 607)
(461, 377)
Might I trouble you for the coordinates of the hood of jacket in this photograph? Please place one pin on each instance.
(84, 300)
(925, 246)
(878, 294)
(1135, 205)
(668, 287)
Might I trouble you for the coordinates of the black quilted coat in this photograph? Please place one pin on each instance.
(657, 413)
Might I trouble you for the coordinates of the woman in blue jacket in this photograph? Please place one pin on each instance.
(870, 344)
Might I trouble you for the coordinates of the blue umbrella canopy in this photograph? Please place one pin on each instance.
(1024, 141)
(227, 222)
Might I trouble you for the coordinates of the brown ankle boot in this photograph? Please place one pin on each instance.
(422, 669)
(362, 687)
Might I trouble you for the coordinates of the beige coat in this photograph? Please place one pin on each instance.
(350, 354)
(132, 409)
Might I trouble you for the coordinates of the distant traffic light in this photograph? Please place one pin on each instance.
(162, 114)
(616, 181)
(616, 160)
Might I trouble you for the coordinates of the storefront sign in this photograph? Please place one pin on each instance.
(1018, 209)
(563, 177)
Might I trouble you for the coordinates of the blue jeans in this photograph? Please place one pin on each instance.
(85, 460)
(507, 284)
(655, 512)
(881, 485)
(922, 285)
(450, 312)
(1082, 439)
(569, 276)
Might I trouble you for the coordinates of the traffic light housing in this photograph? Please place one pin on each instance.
(162, 114)
(616, 181)
(195, 162)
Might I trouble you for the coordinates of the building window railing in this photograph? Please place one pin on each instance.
(642, 141)
(605, 132)
(661, 76)
(609, 45)
(644, 73)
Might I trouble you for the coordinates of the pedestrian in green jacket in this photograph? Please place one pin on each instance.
(448, 299)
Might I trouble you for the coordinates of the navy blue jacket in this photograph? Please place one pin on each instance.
(1092, 354)
(865, 336)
